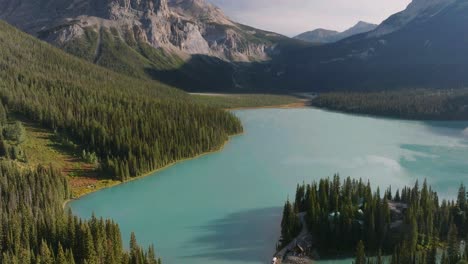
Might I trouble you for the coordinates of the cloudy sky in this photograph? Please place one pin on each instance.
(291, 17)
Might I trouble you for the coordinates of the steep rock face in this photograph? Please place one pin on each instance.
(182, 27)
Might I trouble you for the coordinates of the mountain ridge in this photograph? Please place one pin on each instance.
(322, 36)
(427, 51)
(183, 27)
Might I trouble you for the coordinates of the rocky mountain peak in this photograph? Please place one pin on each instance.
(330, 36)
(122, 8)
(185, 27)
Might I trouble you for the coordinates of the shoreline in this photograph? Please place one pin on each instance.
(297, 105)
(300, 104)
(221, 148)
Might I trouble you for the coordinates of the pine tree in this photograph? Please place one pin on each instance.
(444, 259)
(432, 256)
(360, 254)
(453, 247)
(288, 224)
(461, 198)
(45, 254)
(61, 257)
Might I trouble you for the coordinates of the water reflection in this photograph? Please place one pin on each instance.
(240, 236)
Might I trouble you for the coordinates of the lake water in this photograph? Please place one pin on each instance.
(225, 208)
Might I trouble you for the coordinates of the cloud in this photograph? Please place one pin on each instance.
(291, 17)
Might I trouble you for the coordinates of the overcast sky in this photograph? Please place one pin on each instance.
(291, 17)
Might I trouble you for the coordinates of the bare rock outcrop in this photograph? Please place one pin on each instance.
(182, 26)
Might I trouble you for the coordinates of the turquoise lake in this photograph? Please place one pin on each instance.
(225, 208)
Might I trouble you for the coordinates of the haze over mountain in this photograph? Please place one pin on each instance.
(329, 36)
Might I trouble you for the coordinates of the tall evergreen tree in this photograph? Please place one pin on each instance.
(360, 254)
(453, 246)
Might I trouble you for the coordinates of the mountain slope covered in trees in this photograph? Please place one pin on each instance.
(132, 126)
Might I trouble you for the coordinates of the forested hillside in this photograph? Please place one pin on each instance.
(132, 126)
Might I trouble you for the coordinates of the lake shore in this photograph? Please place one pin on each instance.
(66, 202)
(301, 103)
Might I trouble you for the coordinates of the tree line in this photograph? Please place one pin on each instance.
(411, 225)
(424, 104)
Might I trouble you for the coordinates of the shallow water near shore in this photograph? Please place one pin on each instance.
(225, 208)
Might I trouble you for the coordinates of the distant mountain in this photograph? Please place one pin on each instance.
(319, 35)
(330, 36)
(425, 45)
(359, 28)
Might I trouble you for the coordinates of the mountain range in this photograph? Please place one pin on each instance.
(182, 42)
(191, 44)
(320, 36)
(182, 27)
(424, 46)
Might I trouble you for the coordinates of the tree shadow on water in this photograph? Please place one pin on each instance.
(249, 235)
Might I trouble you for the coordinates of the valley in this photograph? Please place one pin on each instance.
(170, 121)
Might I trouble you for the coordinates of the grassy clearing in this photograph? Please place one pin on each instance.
(233, 101)
(41, 147)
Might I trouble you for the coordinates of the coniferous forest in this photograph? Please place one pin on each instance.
(133, 126)
(35, 228)
(426, 104)
(128, 126)
(410, 225)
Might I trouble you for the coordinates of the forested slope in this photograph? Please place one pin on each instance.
(35, 229)
(133, 126)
